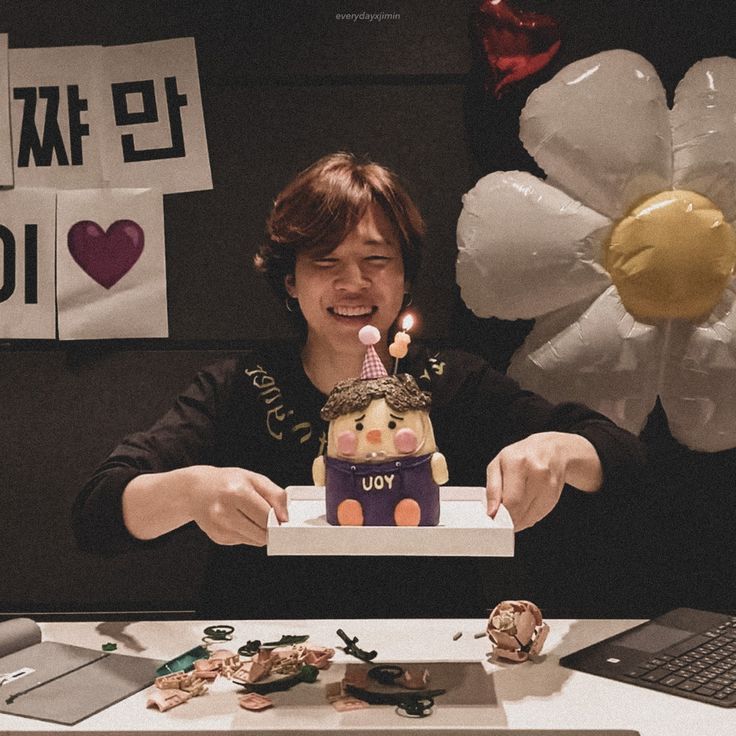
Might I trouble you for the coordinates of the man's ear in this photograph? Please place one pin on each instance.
(290, 285)
(407, 298)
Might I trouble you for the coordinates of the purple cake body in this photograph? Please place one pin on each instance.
(380, 486)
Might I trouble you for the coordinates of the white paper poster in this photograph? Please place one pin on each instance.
(154, 122)
(55, 116)
(27, 245)
(121, 116)
(6, 152)
(111, 266)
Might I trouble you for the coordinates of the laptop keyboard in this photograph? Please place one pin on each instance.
(703, 667)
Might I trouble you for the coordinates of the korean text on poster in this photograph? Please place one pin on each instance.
(55, 117)
(153, 110)
(120, 116)
(27, 284)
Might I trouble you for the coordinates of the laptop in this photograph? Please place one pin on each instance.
(685, 652)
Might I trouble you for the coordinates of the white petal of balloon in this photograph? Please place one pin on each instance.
(604, 358)
(704, 132)
(600, 128)
(526, 248)
(697, 390)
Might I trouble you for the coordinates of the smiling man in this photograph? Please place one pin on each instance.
(359, 282)
(342, 249)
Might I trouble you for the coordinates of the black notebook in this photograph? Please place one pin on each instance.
(62, 683)
(685, 652)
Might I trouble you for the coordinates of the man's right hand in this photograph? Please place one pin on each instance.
(230, 505)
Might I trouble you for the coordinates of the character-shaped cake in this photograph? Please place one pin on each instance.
(382, 466)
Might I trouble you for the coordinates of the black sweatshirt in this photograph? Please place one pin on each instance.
(260, 411)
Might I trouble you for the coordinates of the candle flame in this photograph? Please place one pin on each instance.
(407, 323)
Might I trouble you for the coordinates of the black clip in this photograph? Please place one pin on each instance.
(253, 645)
(286, 640)
(417, 707)
(386, 674)
(249, 648)
(416, 704)
(350, 647)
(221, 632)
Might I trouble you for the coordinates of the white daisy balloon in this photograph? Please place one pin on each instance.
(625, 254)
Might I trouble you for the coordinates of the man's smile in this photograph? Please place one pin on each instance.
(356, 311)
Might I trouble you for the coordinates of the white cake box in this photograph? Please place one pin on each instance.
(465, 530)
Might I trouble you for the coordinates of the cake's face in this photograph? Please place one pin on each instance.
(382, 459)
(378, 433)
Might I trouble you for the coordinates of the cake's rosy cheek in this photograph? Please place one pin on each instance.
(406, 440)
(347, 443)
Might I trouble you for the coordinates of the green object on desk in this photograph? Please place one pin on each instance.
(109, 646)
(184, 662)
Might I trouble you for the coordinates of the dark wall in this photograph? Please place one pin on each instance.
(283, 83)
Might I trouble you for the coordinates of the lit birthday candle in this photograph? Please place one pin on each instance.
(400, 346)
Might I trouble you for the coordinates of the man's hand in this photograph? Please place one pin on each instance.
(528, 476)
(230, 505)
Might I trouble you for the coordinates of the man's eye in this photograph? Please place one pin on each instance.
(378, 259)
(392, 424)
(324, 262)
(359, 426)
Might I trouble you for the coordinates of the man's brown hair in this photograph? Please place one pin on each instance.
(323, 203)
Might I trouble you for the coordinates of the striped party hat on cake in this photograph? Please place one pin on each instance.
(372, 365)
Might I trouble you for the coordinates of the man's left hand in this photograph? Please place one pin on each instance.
(528, 476)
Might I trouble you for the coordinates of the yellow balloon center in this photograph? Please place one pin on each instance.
(672, 257)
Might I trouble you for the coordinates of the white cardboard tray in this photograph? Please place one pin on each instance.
(465, 530)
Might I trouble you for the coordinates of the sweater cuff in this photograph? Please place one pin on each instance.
(622, 457)
(97, 517)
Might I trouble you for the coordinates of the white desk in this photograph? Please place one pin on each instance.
(539, 695)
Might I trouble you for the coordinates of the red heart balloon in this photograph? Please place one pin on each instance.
(106, 256)
(517, 43)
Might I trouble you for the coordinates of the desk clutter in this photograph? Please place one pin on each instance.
(371, 674)
(65, 684)
(515, 629)
(259, 669)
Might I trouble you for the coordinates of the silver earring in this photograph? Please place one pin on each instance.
(292, 305)
(407, 300)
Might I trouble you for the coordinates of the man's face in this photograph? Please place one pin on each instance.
(360, 282)
(378, 433)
